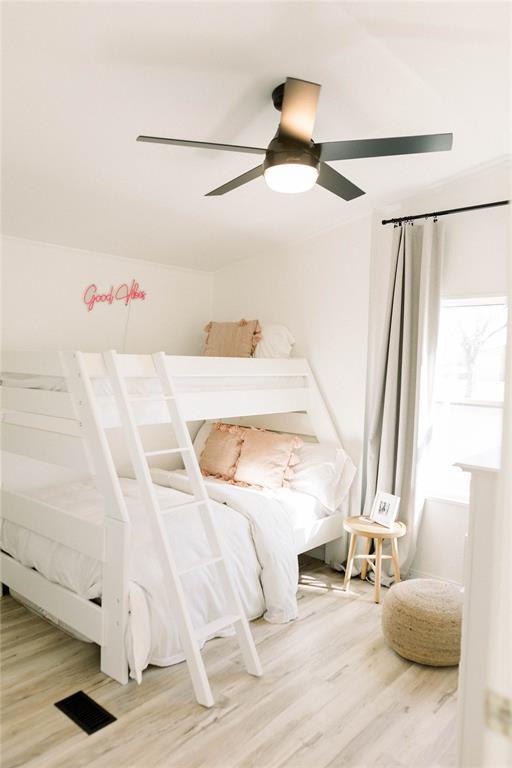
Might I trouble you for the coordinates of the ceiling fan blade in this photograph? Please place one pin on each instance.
(234, 183)
(298, 111)
(202, 145)
(330, 179)
(397, 145)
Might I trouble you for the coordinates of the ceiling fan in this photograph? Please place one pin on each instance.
(294, 162)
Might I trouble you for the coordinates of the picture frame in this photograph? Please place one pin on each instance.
(385, 509)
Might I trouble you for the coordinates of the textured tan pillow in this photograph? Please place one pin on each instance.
(221, 451)
(266, 458)
(232, 339)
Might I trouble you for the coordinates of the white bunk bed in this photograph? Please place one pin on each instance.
(59, 408)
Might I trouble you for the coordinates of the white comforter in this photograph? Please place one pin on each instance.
(257, 533)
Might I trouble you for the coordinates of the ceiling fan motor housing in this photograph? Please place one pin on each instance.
(281, 151)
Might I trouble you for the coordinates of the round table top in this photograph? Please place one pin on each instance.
(363, 526)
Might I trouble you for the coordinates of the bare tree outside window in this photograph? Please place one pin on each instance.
(469, 389)
(472, 343)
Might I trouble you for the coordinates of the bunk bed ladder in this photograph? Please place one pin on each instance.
(190, 636)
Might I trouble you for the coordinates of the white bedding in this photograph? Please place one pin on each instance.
(257, 531)
(301, 508)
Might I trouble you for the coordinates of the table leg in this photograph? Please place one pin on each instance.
(364, 567)
(378, 568)
(396, 561)
(350, 559)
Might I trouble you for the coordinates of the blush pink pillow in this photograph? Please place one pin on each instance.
(232, 339)
(221, 451)
(266, 458)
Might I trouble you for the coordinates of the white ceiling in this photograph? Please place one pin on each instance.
(82, 80)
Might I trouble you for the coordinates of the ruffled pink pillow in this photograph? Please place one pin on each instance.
(266, 459)
(232, 339)
(221, 451)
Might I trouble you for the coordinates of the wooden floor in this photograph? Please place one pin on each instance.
(332, 695)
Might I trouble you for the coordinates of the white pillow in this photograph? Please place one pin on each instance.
(201, 438)
(276, 341)
(324, 471)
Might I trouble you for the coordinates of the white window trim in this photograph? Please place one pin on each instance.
(457, 501)
(474, 300)
(472, 403)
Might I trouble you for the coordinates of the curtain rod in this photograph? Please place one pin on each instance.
(435, 214)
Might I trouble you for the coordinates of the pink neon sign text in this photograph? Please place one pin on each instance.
(123, 292)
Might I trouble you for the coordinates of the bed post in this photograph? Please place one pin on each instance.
(114, 601)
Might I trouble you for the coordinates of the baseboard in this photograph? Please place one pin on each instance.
(413, 574)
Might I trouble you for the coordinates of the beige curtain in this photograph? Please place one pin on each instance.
(400, 423)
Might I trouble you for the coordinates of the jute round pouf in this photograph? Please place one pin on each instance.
(421, 620)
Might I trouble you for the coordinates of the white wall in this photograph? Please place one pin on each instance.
(477, 250)
(440, 553)
(319, 289)
(43, 308)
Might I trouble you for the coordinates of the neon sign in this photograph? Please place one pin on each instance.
(123, 292)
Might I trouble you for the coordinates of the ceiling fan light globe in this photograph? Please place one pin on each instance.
(291, 178)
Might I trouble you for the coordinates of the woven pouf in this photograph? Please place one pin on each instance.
(421, 620)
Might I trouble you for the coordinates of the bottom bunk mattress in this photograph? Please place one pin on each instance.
(257, 531)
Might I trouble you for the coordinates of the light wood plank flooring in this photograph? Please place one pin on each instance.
(333, 694)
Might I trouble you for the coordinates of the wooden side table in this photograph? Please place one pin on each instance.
(363, 526)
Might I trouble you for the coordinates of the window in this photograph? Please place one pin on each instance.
(469, 389)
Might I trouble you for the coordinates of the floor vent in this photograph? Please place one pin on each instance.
(80, 708)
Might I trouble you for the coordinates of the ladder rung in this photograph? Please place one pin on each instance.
(216, 625)
(201, 564)
(165, 451)
(186, 505)
(148, 398)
